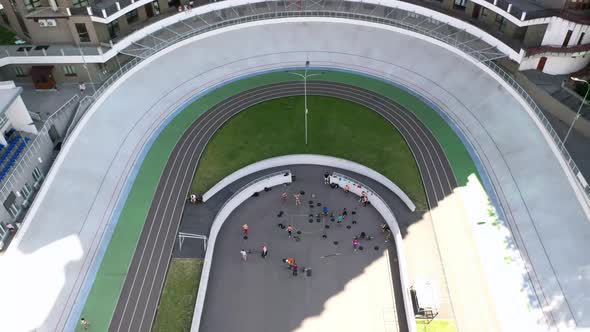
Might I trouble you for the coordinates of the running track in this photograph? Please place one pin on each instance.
(139, 298)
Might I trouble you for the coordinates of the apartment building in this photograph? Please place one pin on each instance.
(80, 40)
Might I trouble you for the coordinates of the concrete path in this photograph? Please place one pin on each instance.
(94, 166)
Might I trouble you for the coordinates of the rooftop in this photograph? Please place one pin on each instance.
(8, 93)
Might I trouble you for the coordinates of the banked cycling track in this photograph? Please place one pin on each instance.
(139, 299)
(95, 166)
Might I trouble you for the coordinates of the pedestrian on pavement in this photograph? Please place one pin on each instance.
(326, 178)
(290, 230)
(355, 244)
(344, 213)
(82, 87)
(297, 199)
(84, 323)
(284, 196)
(365, 200)
(346, 189)
(325, 210)
(340, 218)
(244, 255)
(264, 251)
(290, 261)
(245, 229)
(11, 228)
(294, 267)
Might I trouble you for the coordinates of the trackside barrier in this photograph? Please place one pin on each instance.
(233, 12)
(241, 195)
(379, 204)
(311, 159)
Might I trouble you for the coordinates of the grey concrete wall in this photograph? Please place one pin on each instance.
(13, 21)
(52, 35)
(102, 32)
(89, 26)
(534, 35)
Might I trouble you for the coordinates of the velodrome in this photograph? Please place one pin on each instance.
(527, 178)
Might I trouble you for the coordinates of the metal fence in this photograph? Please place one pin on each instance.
(381, 14)
(36, 154)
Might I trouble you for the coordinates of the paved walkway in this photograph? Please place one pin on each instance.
(514, 153)
(347, 291)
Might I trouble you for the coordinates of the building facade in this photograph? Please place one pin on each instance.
(86, 40)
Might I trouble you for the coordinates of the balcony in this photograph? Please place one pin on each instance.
(559, 50)
(514, 43)
(49, 50)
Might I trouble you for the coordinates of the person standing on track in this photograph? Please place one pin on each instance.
(244, 255)
(84, 323)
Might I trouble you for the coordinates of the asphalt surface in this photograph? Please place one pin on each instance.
(347, 291)
(139, 298)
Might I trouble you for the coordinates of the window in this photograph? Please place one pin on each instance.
(113, 28)
(484, 12)
(156, 7)
(501, 22)
(32, 4)
(79, 3)
(581, 38)
(19, 71)
(132, 16)
(70, 70)
(566, 41)
(82, 33)
(459, 4)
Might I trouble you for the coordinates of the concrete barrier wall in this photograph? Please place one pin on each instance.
(311, 159)
(387, 214)
(238, 198)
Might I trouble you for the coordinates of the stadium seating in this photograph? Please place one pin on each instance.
(10, 154)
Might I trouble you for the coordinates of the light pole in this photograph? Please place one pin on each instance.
(305, 76)
(579, 108)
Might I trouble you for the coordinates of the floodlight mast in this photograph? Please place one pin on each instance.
(578, 113)
(305, 76)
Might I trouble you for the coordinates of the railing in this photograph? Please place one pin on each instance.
(345, 9)
(366, 187)
(28, 161)
(558, 49)
(286, 172)
(50, 50)
(80, 111)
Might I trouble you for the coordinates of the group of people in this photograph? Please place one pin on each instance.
(186, 7)
(297, 196)
(263, 253)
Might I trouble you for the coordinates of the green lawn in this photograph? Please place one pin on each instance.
(437, 325)
(178, 297)
(335, 127)
(7, 37)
